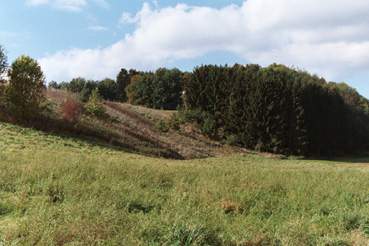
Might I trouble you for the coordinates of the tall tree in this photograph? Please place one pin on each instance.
(77, 84)
(54, 84)
(25, 94)
(123, 80)
(3, 59)
(160, 90)
(167, 88)
(108, 89)
(3, 66)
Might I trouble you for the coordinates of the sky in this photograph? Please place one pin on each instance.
(94, 39)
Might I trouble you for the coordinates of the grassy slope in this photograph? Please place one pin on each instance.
(56, 191)
(134, 129)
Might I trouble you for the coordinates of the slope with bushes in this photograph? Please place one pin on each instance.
(134, 128)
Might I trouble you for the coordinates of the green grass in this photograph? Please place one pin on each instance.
(13, 138)
(64, 191)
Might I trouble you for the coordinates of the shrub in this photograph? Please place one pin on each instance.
(174, 122)
(205, 122)
(233, 140)
(70, 110)
(95, 105)
(162, 126)
(85, 94)
(113, 118)
(209, 125)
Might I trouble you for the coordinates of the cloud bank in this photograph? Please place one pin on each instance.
(322, 36)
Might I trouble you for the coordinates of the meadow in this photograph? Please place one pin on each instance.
(58, 190)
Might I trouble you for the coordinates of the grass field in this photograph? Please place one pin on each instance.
(63, 191)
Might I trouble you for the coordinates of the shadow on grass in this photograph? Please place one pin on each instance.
(363, 160)
(107, 139)
(339, 160)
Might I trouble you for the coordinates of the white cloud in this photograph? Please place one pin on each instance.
(98, 28)
(145, 11)
(36, 2)
(70, 5)
(102, 3)
(126, 18)
(324, 36)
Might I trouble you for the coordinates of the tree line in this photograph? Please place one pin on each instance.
(160, 89)
(280, 110)
(276, 108)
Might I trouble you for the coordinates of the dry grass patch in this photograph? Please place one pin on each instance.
(231, 207)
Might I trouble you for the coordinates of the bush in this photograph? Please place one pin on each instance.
(95, 105)
(162, 126)
(175, 121)
(209, 125)
(70, 110)
(233, 140)
(113, 118)
(204, 121)
(85, 94)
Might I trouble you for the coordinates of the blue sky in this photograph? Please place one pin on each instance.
(95, 38)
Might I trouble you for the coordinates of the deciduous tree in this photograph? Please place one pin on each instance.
(25, 94)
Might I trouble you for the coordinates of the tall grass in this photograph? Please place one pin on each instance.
(59, 191)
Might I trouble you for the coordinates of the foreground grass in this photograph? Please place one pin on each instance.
(57, 191)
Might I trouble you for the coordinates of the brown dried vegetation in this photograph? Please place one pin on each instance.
(231, 207)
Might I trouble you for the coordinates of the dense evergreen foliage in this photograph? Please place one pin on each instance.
(280, 110)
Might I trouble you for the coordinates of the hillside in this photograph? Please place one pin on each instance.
(123, 126)
(65, 191)
(133, 128)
